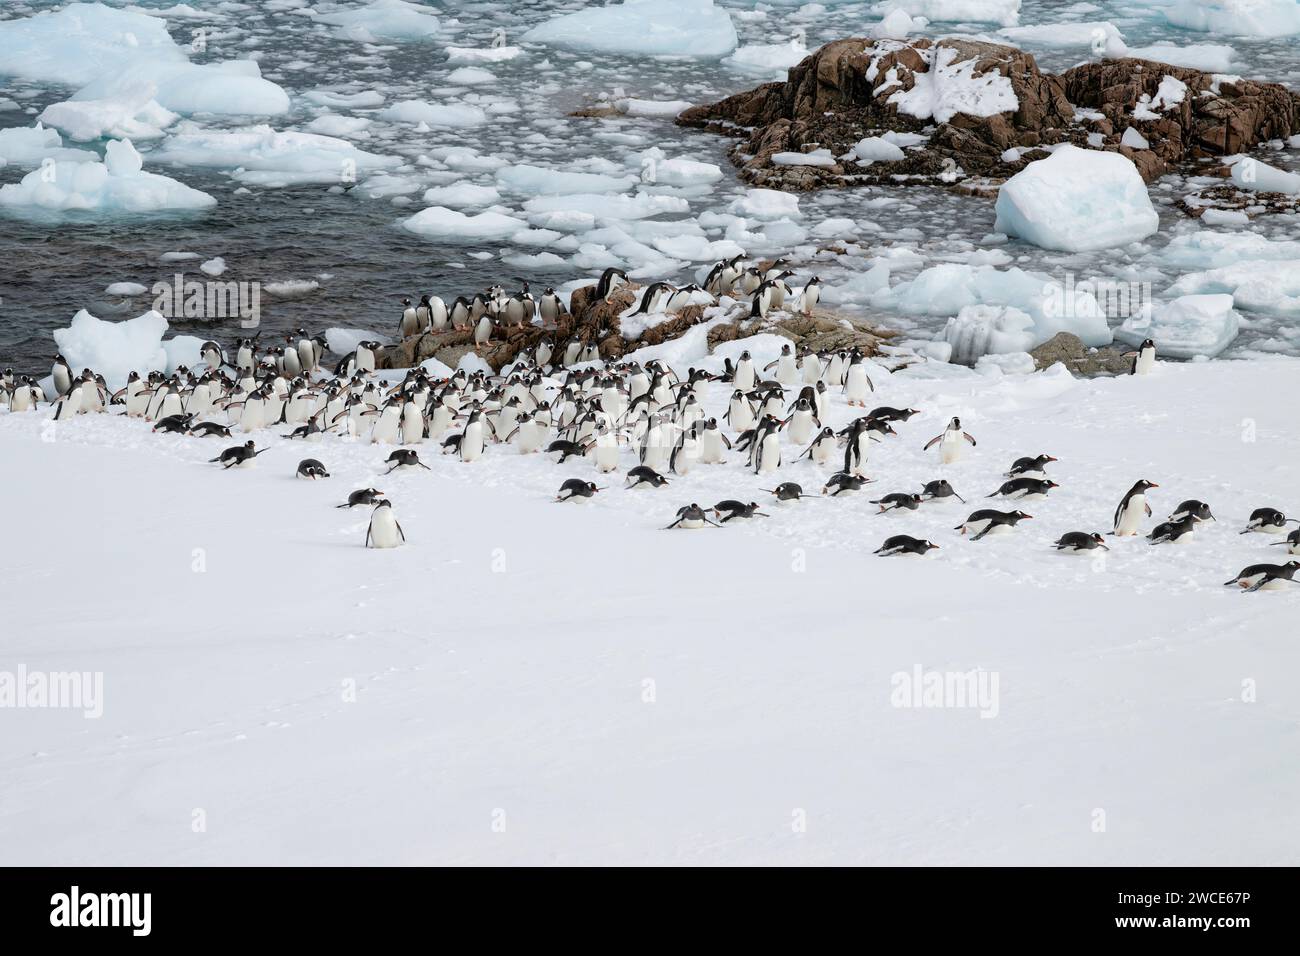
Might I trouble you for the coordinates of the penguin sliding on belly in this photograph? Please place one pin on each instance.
(905, 544)
(1173, 531)
(575, 489)
(1133, 508)
(1292, 542)
(690, 517)
(990, 521)
(1268, 521)
(1080, 542)
(1271, 577)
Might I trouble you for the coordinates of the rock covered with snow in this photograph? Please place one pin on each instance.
(696, 28)
(1189, 326)
(1077, 200)
(117, 185)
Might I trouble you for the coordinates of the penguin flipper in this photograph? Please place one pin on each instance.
(930, 444)
(967, 436)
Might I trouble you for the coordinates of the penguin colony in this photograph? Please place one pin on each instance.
(540, 404)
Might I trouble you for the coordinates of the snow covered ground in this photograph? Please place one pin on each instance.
(535, 682)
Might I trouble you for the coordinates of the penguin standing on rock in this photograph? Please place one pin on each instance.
(1133, 508)
(950, 442)
(905, 544)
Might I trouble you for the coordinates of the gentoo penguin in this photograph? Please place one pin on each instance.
(437, 313)
(1025, 488)
(808, 296)
(174, 424)
(362, 496)
(1292, 542)
(1196, 509)
(404, 458)
(722, 277)
(482, 331)
(384, 531)
(857, 447)
(857, 382)
(654, 298)
(1268, 521)
(312, 469)
(950, 442)
(896, 500)
(1132, 508)
(904, 544)
(1173, 530)
(1144, 359)
(823, 447)
(711, 441)
(1076, 542)
(551, 308)
(575, 489)
(1270, 577)
(886, 413)
(767, 447)
(737, 509)
(990, 521)
(641, 475)
(1030, 467)
(842, 481)
(409, 327)
(566, 448)
(238, 455)
(62, 374)
(210, 429)
(939, 489)
(610, 280)
(788, 491)
(691, 516)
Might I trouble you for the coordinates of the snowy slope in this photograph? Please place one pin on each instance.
(500, 659)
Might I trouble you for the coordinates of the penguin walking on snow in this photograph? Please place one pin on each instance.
(384, 531)
(950, 442)
(1133, 508)
(1144, 359)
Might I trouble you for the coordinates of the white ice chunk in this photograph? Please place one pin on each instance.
(1210, 57)
(897, 25)
(766, 204)
(874, 149)
(1271, 286)
(1003, 12)
(1188, 326)
(114, 186)
(461, 195)
(126, 289)
(1133, 139)
(114, 349)
(267, 157)
(1076, 200)
(29, 145)
(1250, 173)
(818, 157)
(769, 57)
(470, 76)
(632, 106)
(529, 180)
(978, 330)
(1101, 36)
(448, 225)
(696, 28)
(1256, 18)
(484, 54)
(384, 20)
(434, 114)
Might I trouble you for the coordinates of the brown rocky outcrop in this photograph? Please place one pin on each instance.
(848, 90)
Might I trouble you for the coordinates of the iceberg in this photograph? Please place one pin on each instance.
(1249, 173)
(693, 28)
(768, 57)
(979, 330)
(30, 145)
(134, 116)
(384, 20)
(448, 225)
(1076, 200)
(118, 184)
(112, 54)
(947, 288)
(1256, 18)
(263, 156)
(1002, 12)
(434, 114)
(114, 349)
(1186, 327)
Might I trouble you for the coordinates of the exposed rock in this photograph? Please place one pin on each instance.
(1068, 348)
(849, 89)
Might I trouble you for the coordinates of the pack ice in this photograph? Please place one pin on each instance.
(695, 28)
(1186, 327)
(1077, 200)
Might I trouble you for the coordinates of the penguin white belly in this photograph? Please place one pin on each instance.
(384, 532)
(530, 438)
(951, 447)
(711, 447)
(859, 469)
(471, 444)
(744, 377)
(741, 418)
(412, 425)
(1145, 362)
(691, 523)
(787, 372)
(387, 428)
(801, 428)
(606, 453)
(855, 385)
(769, 455)
(253, 416)
(822, 452)
(1130, 518)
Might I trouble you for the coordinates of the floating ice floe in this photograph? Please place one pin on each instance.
(461, 195)
(133, 115)
(620, 208)
(470, 76)
(766, 204)
(1249, 173)
(529, 180)
(365, 99)
(114, 349)
(769, 57)
(949, 88)
(1101, 36)
(113, 54)
(1257, 18)
(126, 289)
(384, 20)
(448, 225)
(1076, 200)
(694, 28)
(678, 171)
(434, 114)
(947, 288)
(118, 184)
(263, 156)
(1271, 286)
(30, 145)
(333, 124)
(1189, 326)
(632, 106)
(1003, 12)
(1210, 57)
(1212, 249)
(482, 54)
